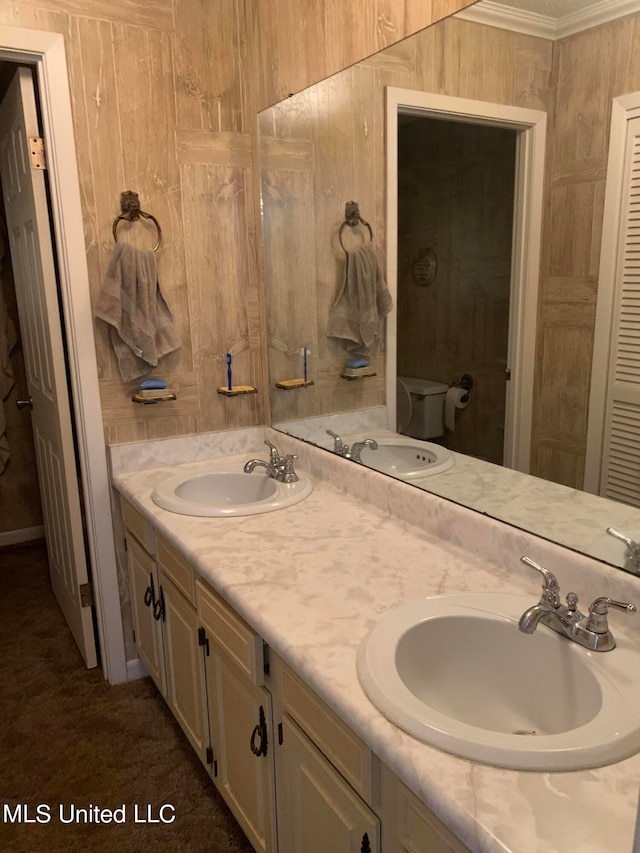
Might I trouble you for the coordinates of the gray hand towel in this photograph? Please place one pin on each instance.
(358, 313)
(131, 302)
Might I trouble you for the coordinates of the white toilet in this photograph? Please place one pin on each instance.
(420, 407)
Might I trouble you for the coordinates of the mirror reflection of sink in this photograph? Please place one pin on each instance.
(225, 492)
(407, 459)
(455, 672)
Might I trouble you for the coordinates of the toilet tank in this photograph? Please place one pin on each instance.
(427, 407)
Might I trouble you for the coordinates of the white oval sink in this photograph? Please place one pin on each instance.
(228, 493)
(407, 459)
(455, 672)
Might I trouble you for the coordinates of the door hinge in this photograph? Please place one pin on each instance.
(126, 547)
(86, 594)
(37, 152)
(215, 769)
(280, 734)
(265, 659)
(507, 374)
(209, 755)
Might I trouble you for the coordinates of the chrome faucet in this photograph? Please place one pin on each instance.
(339, 446)
(279, 467)
(591, 631)
(358, 446)
(632, 555)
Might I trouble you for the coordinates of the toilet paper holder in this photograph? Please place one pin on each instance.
(466, 382)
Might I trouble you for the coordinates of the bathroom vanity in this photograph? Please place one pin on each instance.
(259, 620)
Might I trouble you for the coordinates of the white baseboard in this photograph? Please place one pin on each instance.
(136, 669)
(25, 534)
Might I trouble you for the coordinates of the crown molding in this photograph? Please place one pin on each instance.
(494, 14)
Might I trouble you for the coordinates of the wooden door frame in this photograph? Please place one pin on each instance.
(525, 264)
(623, 109)
(45, 51)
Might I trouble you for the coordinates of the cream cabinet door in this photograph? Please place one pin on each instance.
(145, 597)
(323, 813)
(184, 669)
(241, 732)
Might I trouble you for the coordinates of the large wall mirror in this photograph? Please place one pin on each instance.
(477, 153)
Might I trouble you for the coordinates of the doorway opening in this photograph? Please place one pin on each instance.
(44, 52)
(520, 136)
(456, 184)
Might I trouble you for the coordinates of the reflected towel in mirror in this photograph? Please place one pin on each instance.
(357, 315)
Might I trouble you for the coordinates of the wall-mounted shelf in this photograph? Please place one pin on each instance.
(292, 384)
(138, 398)
(359, 376)
(237, 390)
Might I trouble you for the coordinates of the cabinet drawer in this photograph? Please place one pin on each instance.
(136, 523)
(177, 568)
(348, 754)
(231, 633)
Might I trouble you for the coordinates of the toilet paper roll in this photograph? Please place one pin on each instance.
(454, 400)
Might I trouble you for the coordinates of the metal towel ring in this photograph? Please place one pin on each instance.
(130, 207)
(352, 218)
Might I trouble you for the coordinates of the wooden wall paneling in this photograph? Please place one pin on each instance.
(290, 272)
(151, 169)
(572, 228)
(292, 47)
(104, 180)
(567, 342)
(10, 14)
(583, 94)
(422, 13)
(559, 463)
(217, 257)
(534, 67)
(500, 77)
(208, 65)
(360, 29)
(627, 41)
(141, 13)
(333, 187)
(125, 433)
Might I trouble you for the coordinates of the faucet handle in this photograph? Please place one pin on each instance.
(550, 585)
(288, 473)
(338, 444)
(597, 621)
(274, 453)
(633, 547)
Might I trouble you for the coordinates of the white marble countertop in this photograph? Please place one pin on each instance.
(313, 579)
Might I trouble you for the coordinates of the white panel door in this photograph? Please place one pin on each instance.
(37, 295)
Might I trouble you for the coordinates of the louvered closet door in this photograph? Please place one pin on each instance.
(621, 448)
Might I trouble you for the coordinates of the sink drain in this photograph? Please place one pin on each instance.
(525, 732)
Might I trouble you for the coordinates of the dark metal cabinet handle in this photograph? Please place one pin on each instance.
(260, 731)
(158, 607)
(150, 594)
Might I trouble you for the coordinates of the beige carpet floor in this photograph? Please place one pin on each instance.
(68, 739)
